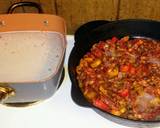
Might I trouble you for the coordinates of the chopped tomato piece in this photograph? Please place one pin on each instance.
(132, 70)
(114, 39)
(125, 68)
(124, 93)
(101, 45)
(128, 69)
(97, 53)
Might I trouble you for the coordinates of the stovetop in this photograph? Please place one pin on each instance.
(59, 111)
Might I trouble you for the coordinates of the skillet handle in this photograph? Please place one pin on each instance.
(20, 4)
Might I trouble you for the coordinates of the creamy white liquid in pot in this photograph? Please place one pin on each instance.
(29, 56)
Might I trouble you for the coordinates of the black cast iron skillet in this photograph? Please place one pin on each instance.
(91, 33)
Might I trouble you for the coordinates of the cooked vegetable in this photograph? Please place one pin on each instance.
(122, 77)
(95, 63)
(113, 72)
(100, 104)
(124, 92)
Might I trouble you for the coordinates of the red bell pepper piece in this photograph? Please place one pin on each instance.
(100, 104)
(128, 69)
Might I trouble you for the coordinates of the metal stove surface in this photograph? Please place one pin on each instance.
(57, 112)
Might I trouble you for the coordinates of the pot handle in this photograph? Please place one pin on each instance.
(20, 4)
